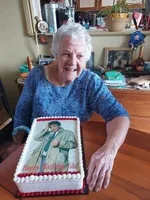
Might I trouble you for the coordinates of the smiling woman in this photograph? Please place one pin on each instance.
(72, 49)
(66, 88)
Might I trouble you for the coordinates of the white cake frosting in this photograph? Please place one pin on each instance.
(35, 182)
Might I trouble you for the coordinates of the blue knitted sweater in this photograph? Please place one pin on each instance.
(85, 95)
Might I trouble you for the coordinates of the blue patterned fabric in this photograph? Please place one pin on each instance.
(81, 98)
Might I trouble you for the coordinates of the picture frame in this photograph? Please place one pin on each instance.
(88, 5)
(90, 62)
(147, 66)
(117, 58)
(131, 3)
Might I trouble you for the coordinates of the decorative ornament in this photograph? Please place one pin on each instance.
(136, 39)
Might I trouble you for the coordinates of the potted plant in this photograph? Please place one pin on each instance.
(116, 16)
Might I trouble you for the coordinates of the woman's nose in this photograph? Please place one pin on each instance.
(73, 59)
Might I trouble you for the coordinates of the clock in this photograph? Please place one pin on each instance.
(42, 26)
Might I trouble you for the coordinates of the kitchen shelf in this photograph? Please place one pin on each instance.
(108, 33)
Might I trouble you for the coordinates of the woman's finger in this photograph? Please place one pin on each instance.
(107, 178)
(95, 175)
(90, 171)
(19, 137)
(14, 139)
(100, 179)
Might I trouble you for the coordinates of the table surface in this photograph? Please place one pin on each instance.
(130, 178)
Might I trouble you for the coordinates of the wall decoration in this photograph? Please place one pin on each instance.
(90, 62)
(117, 58)
(42, 26)
(147, 66)
(88, 4)
(42, 39)
(132, 3)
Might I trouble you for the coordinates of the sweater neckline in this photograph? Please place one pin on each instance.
(56, 86)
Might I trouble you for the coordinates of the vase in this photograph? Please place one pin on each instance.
(115, 23)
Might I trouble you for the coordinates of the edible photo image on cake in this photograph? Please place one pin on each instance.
(53, 148)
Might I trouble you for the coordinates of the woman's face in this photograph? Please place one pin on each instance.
(71, 59)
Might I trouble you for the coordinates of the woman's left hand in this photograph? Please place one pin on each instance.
(99, 169)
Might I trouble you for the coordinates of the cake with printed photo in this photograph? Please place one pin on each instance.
(52, 159)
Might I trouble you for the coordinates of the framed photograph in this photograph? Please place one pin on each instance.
(117, 58)
(131, 3)
(147, 66)
(90, 62)
(88, 4)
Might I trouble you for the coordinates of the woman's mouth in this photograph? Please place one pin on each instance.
(71, 69)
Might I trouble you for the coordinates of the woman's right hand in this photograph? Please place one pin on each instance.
(20, 137)
(18, 140)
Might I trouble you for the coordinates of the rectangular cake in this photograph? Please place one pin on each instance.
(52, 160)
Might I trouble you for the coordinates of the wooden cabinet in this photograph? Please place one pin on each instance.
(137, 103)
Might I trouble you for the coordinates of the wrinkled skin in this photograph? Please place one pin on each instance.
(101, 164)
(99, 169)
(71, 61)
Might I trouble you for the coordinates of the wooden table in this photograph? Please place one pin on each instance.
(131, 173)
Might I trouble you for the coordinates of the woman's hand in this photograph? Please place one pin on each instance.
(19, 138)
(47, 127)
(99, 169)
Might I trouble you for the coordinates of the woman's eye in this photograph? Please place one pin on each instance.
(65, 54)
(79, 56)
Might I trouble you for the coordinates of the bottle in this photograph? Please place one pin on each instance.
(50, 12)
(139, 62)
(87, 24)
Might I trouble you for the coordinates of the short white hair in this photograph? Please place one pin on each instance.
(77, 32)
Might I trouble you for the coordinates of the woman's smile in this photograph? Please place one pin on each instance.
(70, 69)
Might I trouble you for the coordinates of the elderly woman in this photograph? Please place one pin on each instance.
(66, 88)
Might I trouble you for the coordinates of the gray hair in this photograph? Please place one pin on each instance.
(77, 32)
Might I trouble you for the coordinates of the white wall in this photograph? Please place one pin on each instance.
(16, 45)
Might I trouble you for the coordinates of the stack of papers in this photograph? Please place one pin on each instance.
(115, 83)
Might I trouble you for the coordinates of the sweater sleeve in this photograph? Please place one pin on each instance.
(23, 110)
(102, 101)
